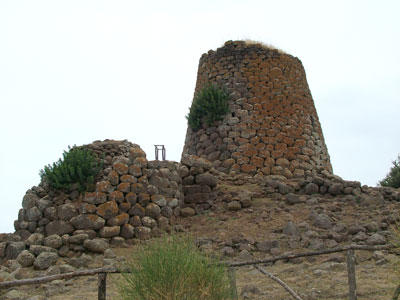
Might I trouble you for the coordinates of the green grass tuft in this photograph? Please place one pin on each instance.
(173, 268)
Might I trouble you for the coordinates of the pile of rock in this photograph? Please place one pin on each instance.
(324, 184)
(133, 198)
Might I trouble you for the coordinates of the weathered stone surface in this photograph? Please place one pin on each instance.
(195, 161)
(119, 220)
(89, 221)
(53, 241)
(149, 222)
(38, 249)
(25, 258)
(266, 246)
(81, 261)
(67, 211)
(3, 246)
(104, 186)
(127, 231)
(59, 228)
(143, 233)
(294, 199)
(29, 200)
(322, 221)
(96, 245)
(187, 212)
(376, 239)
(35, 239)
(311, 188)
(291, 229)
(45, 260)
(108, 210)
(120, 168)
(33, 214)
(335, 189)
(95, 197)
(206, 179)
(109, 231)
(79, 238)
(152, 210)
(13, 249)
(234, 206)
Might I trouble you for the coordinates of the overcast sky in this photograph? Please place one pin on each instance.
(72, 72)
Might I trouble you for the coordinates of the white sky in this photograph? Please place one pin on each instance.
(72, 72)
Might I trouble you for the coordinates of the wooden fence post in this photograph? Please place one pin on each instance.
(102, 286)
(351, 270)
(232, 281)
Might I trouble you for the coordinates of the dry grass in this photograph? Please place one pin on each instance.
(264, 45)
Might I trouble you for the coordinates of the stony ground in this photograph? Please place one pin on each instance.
(248, 233)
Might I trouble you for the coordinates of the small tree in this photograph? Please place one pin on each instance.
(173, 268)
(78, 166)
(209, 105)
(392, 179)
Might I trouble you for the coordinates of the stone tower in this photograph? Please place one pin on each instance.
(272, 127)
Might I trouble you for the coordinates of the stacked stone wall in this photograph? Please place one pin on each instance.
(133, 198)
(272, 127)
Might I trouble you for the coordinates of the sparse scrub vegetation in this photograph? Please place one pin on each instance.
(392, 179)
(173, 268)
(209, 105)
(78, 166)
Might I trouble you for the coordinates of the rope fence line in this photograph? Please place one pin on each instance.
(102, 272)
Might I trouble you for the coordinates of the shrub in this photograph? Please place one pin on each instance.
(78, 166)
(392, 179)
(209, 105)
(172, 268)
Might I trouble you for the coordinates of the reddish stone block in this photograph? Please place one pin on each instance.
(128, 178)
(108, 210)
(131, 198)
(120, 168)
(113, 177)
(243, 160)
(266, 170)
(135, 170)
(257, 161)
(117, 196)
(124, 187)
(246, 168)
(103, 186)
(281, 147)
(250, 153)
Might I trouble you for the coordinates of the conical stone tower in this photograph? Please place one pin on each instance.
(272, 127)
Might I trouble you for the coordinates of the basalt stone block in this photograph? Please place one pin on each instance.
(59, 228)
(108, 210)
(95, 197)
(29, 200)
(109, 231)
(96, 245)
(89, 221)
(13, 249)
(67, 211)
(119, 220)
